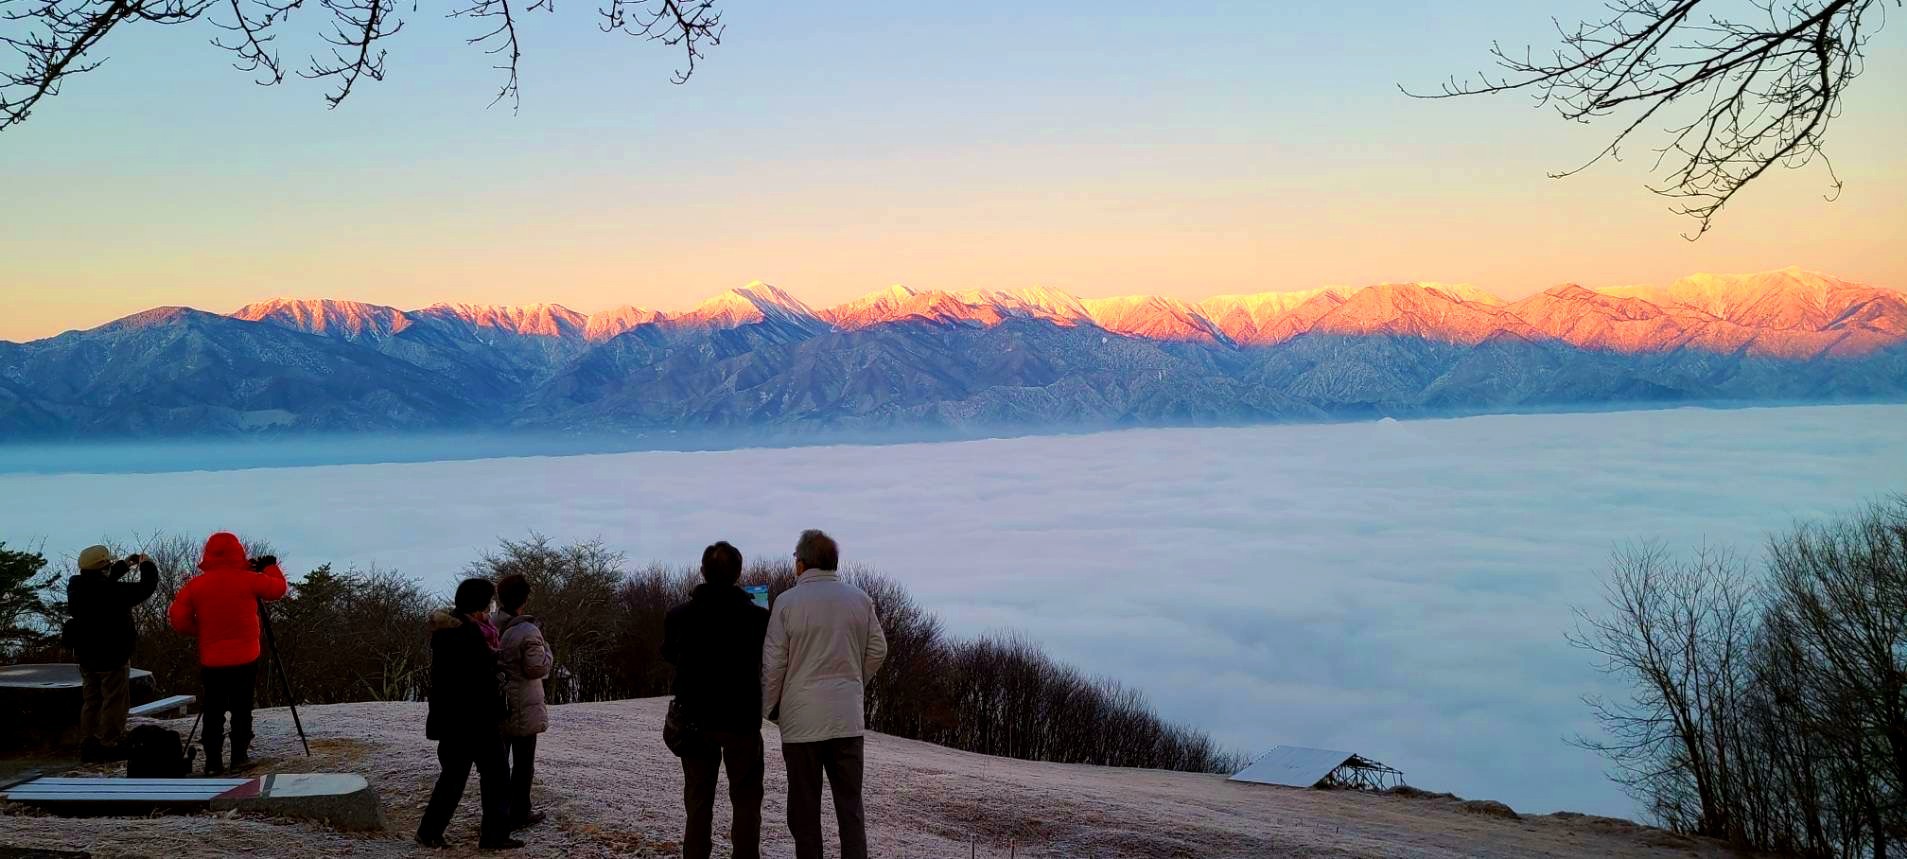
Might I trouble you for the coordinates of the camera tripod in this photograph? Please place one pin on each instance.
(284, 678)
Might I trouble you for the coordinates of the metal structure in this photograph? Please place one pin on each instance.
(1297, 766)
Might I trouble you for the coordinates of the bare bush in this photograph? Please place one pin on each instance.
(573, 594)
(996, 694)
(1770, 712)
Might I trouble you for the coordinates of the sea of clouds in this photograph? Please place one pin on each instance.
(1399, 590)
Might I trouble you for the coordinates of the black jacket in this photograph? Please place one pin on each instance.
(466, 686)
(101, 606)
(714, 642)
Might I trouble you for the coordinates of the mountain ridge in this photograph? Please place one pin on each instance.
(1722, 312)
(756, 357)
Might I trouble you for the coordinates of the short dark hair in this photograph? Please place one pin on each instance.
(721, 564)
(473, 595)
(817, 551)
(513, 591)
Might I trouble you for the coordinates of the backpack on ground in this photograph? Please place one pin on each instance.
(157, 752)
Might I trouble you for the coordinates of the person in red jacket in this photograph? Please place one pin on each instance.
(220, 606)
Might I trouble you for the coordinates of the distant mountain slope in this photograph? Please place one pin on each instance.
(756, 357)
(173, 371)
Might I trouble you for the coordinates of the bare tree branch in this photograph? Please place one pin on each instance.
(1738, 98)
(52, 40)
(684, 23)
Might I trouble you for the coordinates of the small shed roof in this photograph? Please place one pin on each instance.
(1293, 766)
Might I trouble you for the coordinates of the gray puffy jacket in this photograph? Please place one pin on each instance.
(526, 660)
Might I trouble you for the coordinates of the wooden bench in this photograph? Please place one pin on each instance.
(342, 800)
(177, 703)
(119, 795)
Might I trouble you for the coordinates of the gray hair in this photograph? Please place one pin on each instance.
(817, 551)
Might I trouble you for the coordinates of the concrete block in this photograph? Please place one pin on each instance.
(341, 800)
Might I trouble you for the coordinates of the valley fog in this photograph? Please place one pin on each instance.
(1396, 589)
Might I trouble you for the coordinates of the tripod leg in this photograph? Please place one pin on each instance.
(284, 679)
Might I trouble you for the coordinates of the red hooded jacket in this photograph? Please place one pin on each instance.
(220, 604)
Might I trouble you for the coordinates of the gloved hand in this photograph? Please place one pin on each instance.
(120, 568)
(148, 568)
(260, 565)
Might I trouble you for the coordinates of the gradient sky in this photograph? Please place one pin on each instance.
(1103, 147)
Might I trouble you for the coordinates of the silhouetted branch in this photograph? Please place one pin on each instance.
(357, 25)
(253, 35)
(55, 39)
(1757, 94)
(684, 23)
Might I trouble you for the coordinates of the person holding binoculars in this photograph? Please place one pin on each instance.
(102, 635)
(220, 606)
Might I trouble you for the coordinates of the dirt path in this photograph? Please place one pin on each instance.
(613, 790)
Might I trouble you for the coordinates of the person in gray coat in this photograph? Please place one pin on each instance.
(823, 644)
(526, 659)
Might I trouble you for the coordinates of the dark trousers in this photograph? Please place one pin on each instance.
(522, 772)
(741, 753)
(227, 690)
(457, 756)
(840, 761)
(103, 704)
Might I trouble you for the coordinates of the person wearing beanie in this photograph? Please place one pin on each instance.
(467, 710)
(220, 607)
(102, 636)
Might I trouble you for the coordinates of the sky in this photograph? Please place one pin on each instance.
(1103, 147)
(1395, 589)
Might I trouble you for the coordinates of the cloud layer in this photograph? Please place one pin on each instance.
(1395, 589)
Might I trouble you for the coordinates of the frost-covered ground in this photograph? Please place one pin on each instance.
(613, 790)
(1395, 589)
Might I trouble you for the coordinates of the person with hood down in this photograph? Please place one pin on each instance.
(526, 660)
(466, 716)
(824, 643)
(714, 641)
(102, 636)
(221, 607)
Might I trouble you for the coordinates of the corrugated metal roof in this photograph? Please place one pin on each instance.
(1292, 766)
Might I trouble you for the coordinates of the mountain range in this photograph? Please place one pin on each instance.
(757, 359)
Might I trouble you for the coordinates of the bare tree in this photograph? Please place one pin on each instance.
(1738, 96)
(54, 40)
(1840, 606)
(1679, 635)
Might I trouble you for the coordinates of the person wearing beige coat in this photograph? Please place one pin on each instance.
(824, 643)
(526, 659)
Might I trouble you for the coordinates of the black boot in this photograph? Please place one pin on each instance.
(214, 755)
(240, 756)
(89, 752)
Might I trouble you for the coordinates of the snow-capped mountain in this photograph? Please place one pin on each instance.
(346, 320)
(756, 357)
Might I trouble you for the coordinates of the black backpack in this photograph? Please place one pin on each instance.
(156, 752)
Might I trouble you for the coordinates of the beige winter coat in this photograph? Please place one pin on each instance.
(823, 645)
(526, 660)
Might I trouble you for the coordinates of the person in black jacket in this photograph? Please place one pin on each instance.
(466, 718)
(102, 636)
(714, 641)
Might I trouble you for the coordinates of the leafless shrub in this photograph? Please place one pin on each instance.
(360, 636)
(1769, 712)
(573, 594)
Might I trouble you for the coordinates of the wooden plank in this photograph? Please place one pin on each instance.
(36, 799)
(211, 790)
(176, 702)
(149, 781)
